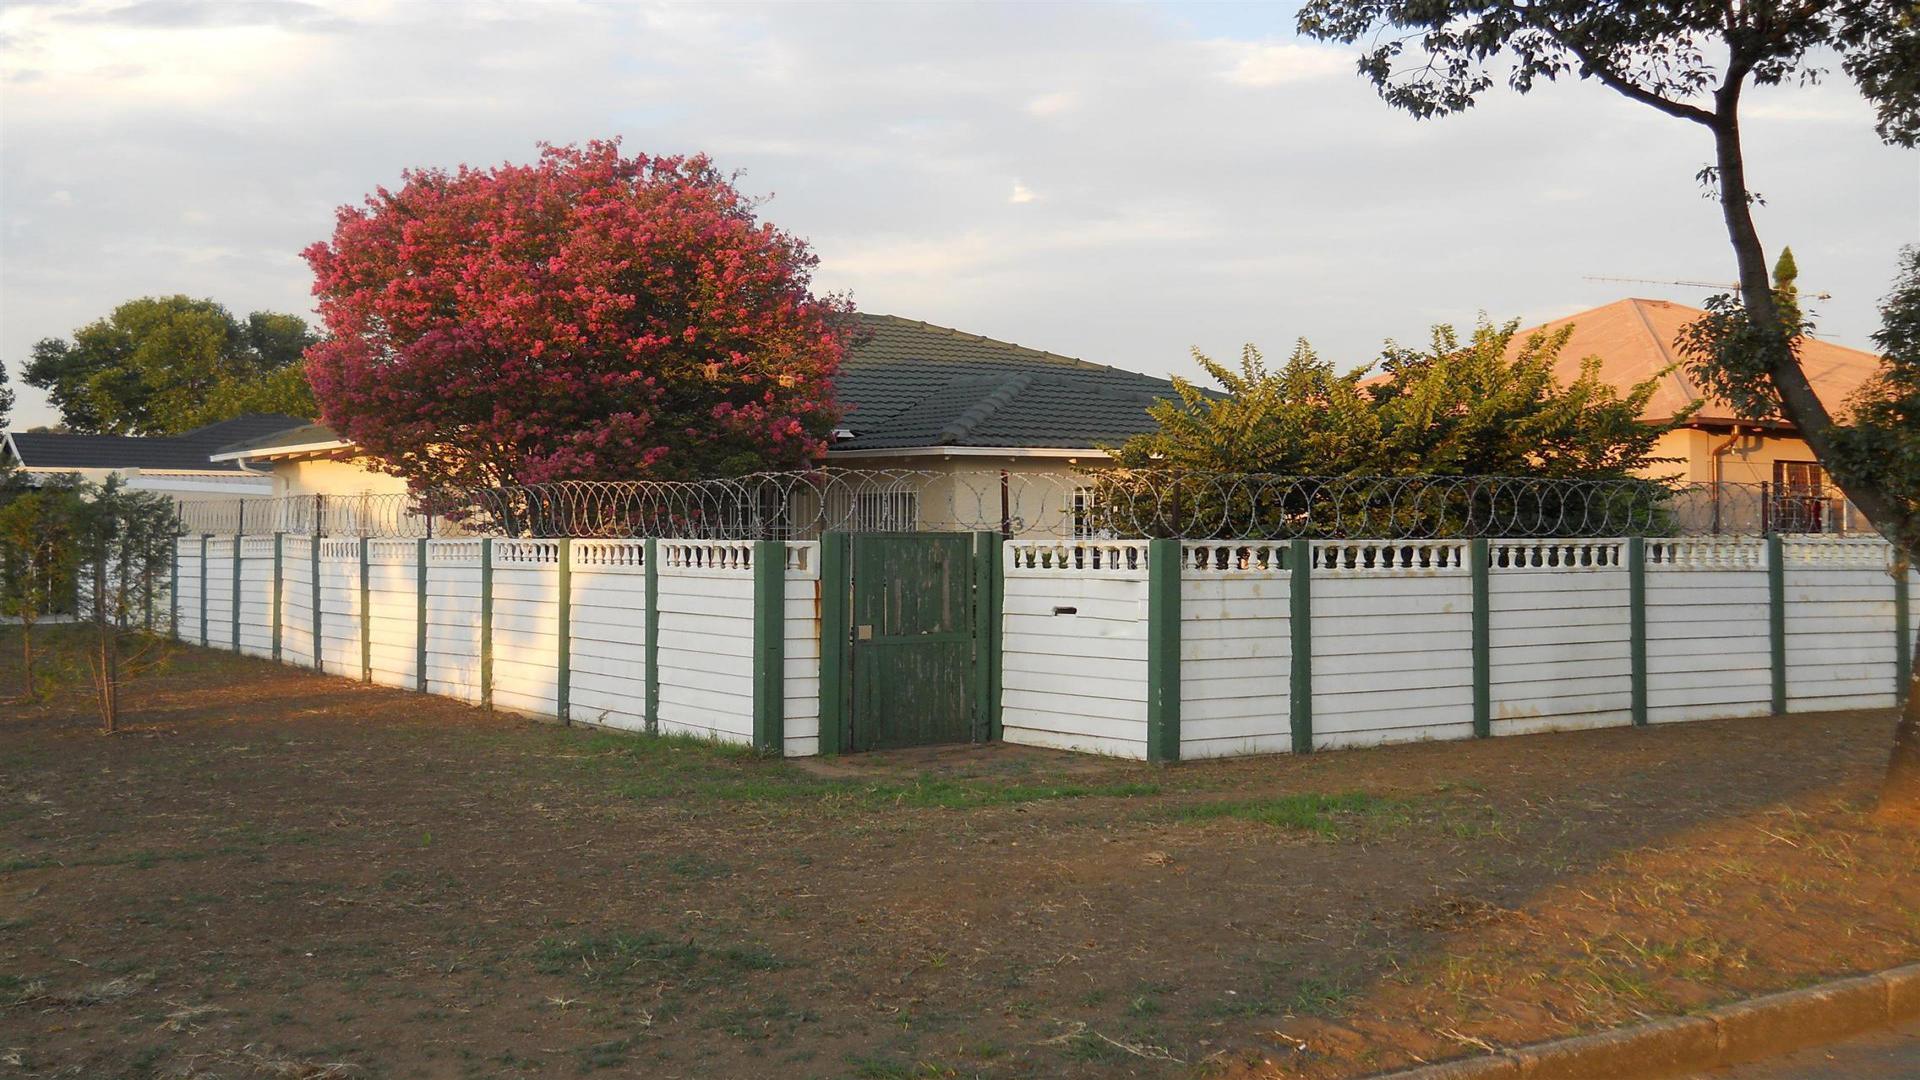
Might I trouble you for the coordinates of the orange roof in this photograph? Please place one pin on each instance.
(1636, 339)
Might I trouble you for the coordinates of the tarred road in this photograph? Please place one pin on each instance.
(1887, 1055)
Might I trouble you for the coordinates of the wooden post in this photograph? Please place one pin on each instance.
(1163, 650)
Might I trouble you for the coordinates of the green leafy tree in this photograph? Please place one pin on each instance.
(163, 365)
(6, 397)
(1692, 60)
(1786, 290)
(37, 562)
(1486, 406)
(121, 538)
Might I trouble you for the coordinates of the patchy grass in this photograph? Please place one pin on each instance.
(1312, 812)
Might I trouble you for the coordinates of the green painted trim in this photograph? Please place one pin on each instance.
(989, 590)
(486, 623)
(420, 595)
(652, 561)
(237, 540)
(836, 632)
(1163, 650)
(1479, 570)
(366, 615)
(1777, 619)
(769, 645)
(563, 670)
(279, 585)
(173, 590)
(1902, 637)
(204, 642)
(313, 601)
(1637, 625)
(1300, 622)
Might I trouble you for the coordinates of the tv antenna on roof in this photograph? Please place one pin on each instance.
(1718, 286)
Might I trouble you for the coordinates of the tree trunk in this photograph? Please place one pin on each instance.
(1900, 791)
(26, 657)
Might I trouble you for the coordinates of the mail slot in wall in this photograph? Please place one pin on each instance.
(1061, 610)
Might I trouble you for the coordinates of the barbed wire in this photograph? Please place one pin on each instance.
(1102, 503)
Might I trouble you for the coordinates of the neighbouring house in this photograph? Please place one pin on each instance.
(181, 466)
(917, 397)
(1637, 339)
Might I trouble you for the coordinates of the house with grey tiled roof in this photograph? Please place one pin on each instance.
(179, 465)
(913, 395)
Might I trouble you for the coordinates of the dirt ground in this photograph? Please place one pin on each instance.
(268, 873)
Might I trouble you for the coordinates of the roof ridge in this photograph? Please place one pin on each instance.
(980, 411)
(982, 338)
(1678, 370)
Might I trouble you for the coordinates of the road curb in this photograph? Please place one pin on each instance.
(1749, 1030)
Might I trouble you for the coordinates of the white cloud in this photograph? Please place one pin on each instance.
(1276, 63)
(1053, 104)
(1021, 194)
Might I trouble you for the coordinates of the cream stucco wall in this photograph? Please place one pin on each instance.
(330, 476)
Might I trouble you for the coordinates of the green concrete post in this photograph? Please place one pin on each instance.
(1163, 650)
(652, 558)
(835, 642)
(1637, 625)
(1479, 569)
(486, 623)
(769, 645)
(1300, 618)
(1777, 619)
(564, 646)
(420, 638)
(279, 583)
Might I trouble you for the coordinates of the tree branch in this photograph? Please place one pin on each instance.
(1623, 86)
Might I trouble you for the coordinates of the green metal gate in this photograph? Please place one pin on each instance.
(913, 651)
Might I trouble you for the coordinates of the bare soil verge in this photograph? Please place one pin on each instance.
(271, 873)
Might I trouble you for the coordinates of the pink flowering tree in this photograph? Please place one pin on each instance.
(590, 316)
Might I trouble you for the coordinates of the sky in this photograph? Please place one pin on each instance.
(1122, 183)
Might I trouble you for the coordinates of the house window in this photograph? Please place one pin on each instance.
(886, 511)
(1087, 518)
(1799, 503)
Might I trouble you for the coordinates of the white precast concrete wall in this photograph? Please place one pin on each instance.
(187, 592)
(1236, 650)
(453, 618)
(1559, 635)
(608, 618)
(1074, 647)
(219, 587)
(706, 638)
(1708, 651)
(1839, 606)
(296, 601)
(340, 607)
(256, 595)
(393, 626)
(526, 625)
(800, 647)
(1391, 632)
(1392, 642)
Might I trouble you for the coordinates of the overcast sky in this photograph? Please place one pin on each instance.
(1119, 183)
